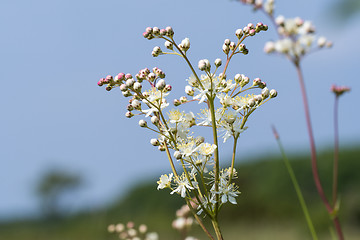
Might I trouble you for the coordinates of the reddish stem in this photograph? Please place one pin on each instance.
(313, 153)
(336, 151)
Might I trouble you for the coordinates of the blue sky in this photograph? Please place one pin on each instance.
(54, 115)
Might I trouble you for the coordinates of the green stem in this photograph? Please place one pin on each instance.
(216, 154)
(199, 220)
(217, 229)
(233, 160)
(296, 186)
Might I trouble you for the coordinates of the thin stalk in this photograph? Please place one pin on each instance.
(336, 152)
(296, 186)
(313, 154)
(199, 220)
(217, 229)
(216, 154)
(233, 160)
(171, 161)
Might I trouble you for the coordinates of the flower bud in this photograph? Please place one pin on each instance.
(156, 31)
(202, 65)
(142, 123)
(128, 76)
(108, 88)
(321, 42)
(169, 31)
(129, 114)
(207, 64)
(238, 78)
(101, 82)
(245, 80)
(252, 32)
(137, 86)
(262, 84)
(163, 32)
(129, 107)
(157, 50)
(227, 42)
(185, 44)
(256, 81)
(151, 77)
(130, 82)
(258, 98)
(280, 20)
(265, 93)
(160, 85)
(232, 46)
(226, 49)
(169, 45)
(183, 99)
(148, 30)
(155, 120)
(108, 79)
(251, 102)
(269, 47)
(126, 93)
(273, 93)
(218, 62)
(154, 142)
(167, 88)
(136, 104)
(189, 90)
(250, 26)
(176, 102)
(161, 148)
(239, 33)
(177, 154)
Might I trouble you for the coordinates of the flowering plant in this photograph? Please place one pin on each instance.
(296, 40)
(198, 177)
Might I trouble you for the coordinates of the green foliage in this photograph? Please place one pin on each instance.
(267, 205)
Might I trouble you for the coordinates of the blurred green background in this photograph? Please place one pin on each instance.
(267, 208)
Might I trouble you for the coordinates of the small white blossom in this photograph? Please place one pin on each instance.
(164, 181)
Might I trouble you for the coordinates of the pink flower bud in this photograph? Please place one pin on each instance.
(101, 82)
(168, 88)
(128, 76)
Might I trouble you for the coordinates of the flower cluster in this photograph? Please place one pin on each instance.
(227, 107)
(184, 221)
(297, 36)
(129, 232)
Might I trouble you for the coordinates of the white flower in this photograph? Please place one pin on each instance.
(228, 193)
(164, 181)
(284, 45)
(183, 185)
(205, 116)
(188, 148)
(225, 100)
(206, 149)
(321, 42)
(269, 47)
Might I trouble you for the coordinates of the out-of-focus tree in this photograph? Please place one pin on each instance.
(52, 187)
